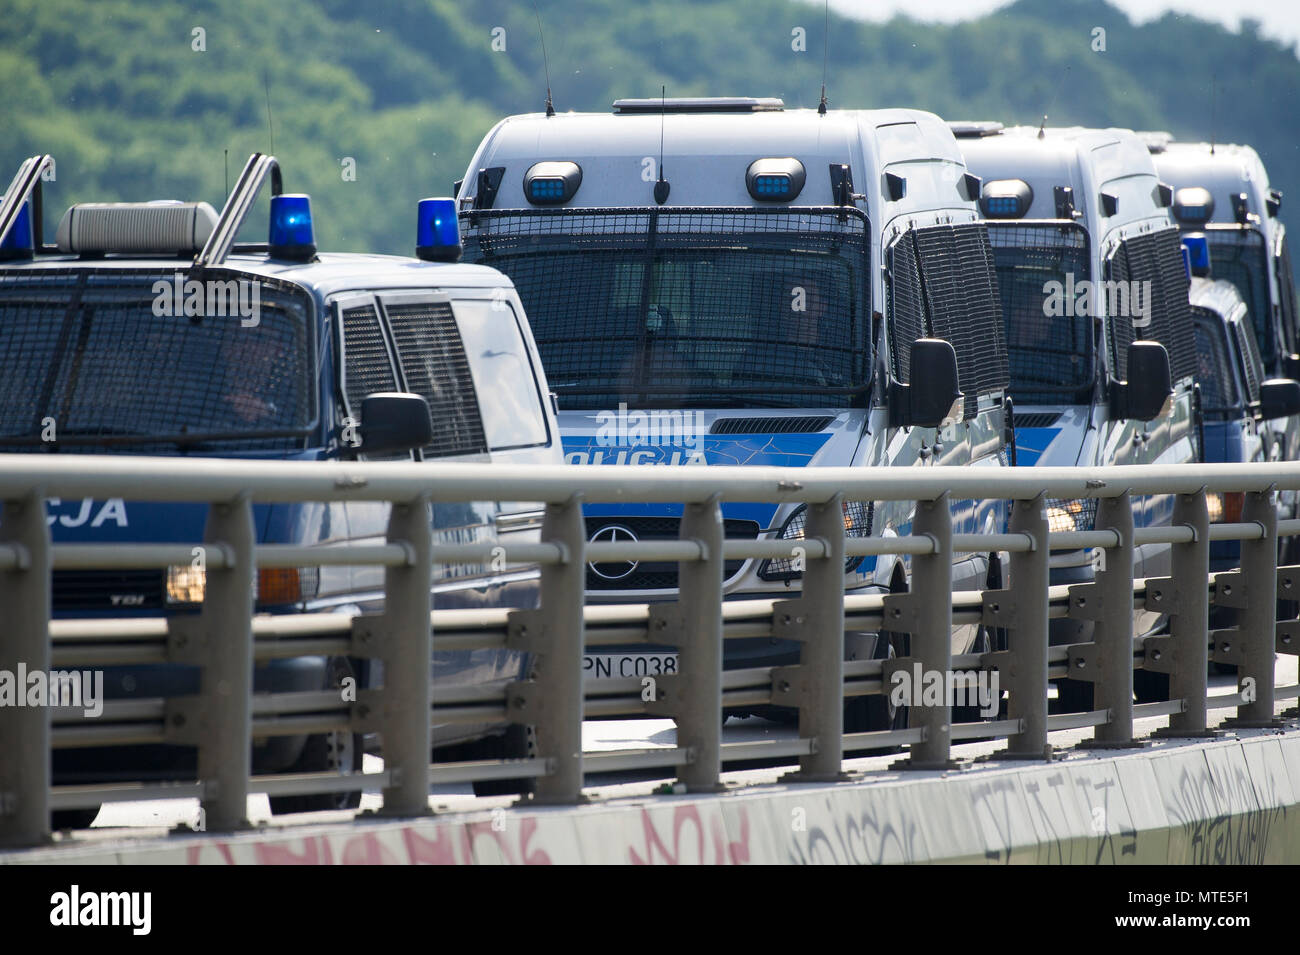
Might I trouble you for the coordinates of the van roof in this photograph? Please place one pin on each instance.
(706, 155)
(1230, 169)
(332, 272)
(1218, 295)
(1090, 161)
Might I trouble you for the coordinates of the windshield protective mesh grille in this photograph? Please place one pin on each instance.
(1048, 340)
(739, 307)
(1238, 255)
(87, 358)
(1154, 261)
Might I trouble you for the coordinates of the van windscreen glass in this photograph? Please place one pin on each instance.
(673, 307)
(99, 360)
(1239, 255)
(1048, 339)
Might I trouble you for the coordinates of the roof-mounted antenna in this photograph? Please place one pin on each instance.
(662, 187)
(1042, 127)
(266, 82)
(226, 152)
(550, 109)
(826, 43)
(1213, 83)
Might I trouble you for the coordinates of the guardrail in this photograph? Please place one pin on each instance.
(225, 639)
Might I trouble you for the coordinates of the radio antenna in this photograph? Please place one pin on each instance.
(662, 187)
(227, 155)
(1042, 127)
(550, 109)
(266, 82)
(826, 43)
(1213, 83)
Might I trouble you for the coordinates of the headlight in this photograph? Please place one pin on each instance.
(1225, 508)
(1076, 515)
(858, 517)
(186, 584)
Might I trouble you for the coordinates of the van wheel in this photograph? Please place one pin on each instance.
(518, 742)
(972, 714)
(1150, 686)
(73, 818)
(868, 714)
(324, 753)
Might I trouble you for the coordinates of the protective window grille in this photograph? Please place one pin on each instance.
(1154, 258)
(1250, 360)
(754, 307)
(1219, 396)
(859, 517)
(367, 367)
(1048, 343)
(86, 358)
(1239, 256)
(434, 366)
(951, 266)
(1286, 298)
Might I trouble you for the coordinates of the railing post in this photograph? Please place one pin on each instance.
(926, 613)
(1111, 652)
(1257, 627)
(224, 717)
(406, 644)
(693, 696)
(552, 701)
(816, 619)
(1023, 607)
(25, 730)
(1184, 654)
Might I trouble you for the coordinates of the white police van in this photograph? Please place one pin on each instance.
(724, 281)
(146, 330)
(1097, 322)
(1222, 191)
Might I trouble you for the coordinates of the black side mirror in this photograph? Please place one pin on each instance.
(1279, 398)
(1148, 392)
(1291, 367)
(393, 421)
(934, 397)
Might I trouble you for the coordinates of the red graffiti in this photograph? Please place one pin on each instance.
(724, 852)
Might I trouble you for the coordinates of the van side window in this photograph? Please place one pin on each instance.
(431, 357)
(510, 402)
(366, 366)
(1151, 266)
(942, 284)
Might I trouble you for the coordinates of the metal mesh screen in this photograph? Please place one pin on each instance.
(1048, 341)
(1250, 360)
(1219, 397)
(434, 366)
(367, 367)
(906, 303)
(87, 358)
(1239, 255)
(1154, 258)
(761, 307)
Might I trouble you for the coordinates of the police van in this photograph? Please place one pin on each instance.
(725, 281)
(1222, 191)
(146, 329)
(1097, 324)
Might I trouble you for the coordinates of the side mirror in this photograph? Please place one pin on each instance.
(934, 396)
(393, 421)
(1148, 393)
(1291, 366)
(1279, 398)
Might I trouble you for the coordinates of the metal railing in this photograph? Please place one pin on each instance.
(225, 639)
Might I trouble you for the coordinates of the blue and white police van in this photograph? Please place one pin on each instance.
(1096, 320)
(1222, 191)
(145, 329)
(725, 281)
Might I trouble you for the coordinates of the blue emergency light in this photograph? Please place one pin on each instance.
(1198, 252)
(292, 236)
(19, 244)
(437, 233)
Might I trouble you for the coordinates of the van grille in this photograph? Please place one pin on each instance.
(96, 589)
(654, 575)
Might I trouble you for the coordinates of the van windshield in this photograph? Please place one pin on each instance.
(98, 360)
(1041, 268)
(1239, 256)
(1220, 398)
(682, 308)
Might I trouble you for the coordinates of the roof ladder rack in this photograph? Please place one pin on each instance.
(27, 182)
(237, 207)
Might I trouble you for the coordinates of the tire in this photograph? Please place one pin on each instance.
(868, 714)
(324, 752)
(517, 743)
(73, 818)
(972, 714)
(1073, 696)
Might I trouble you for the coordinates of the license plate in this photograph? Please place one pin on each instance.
(612, 666)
